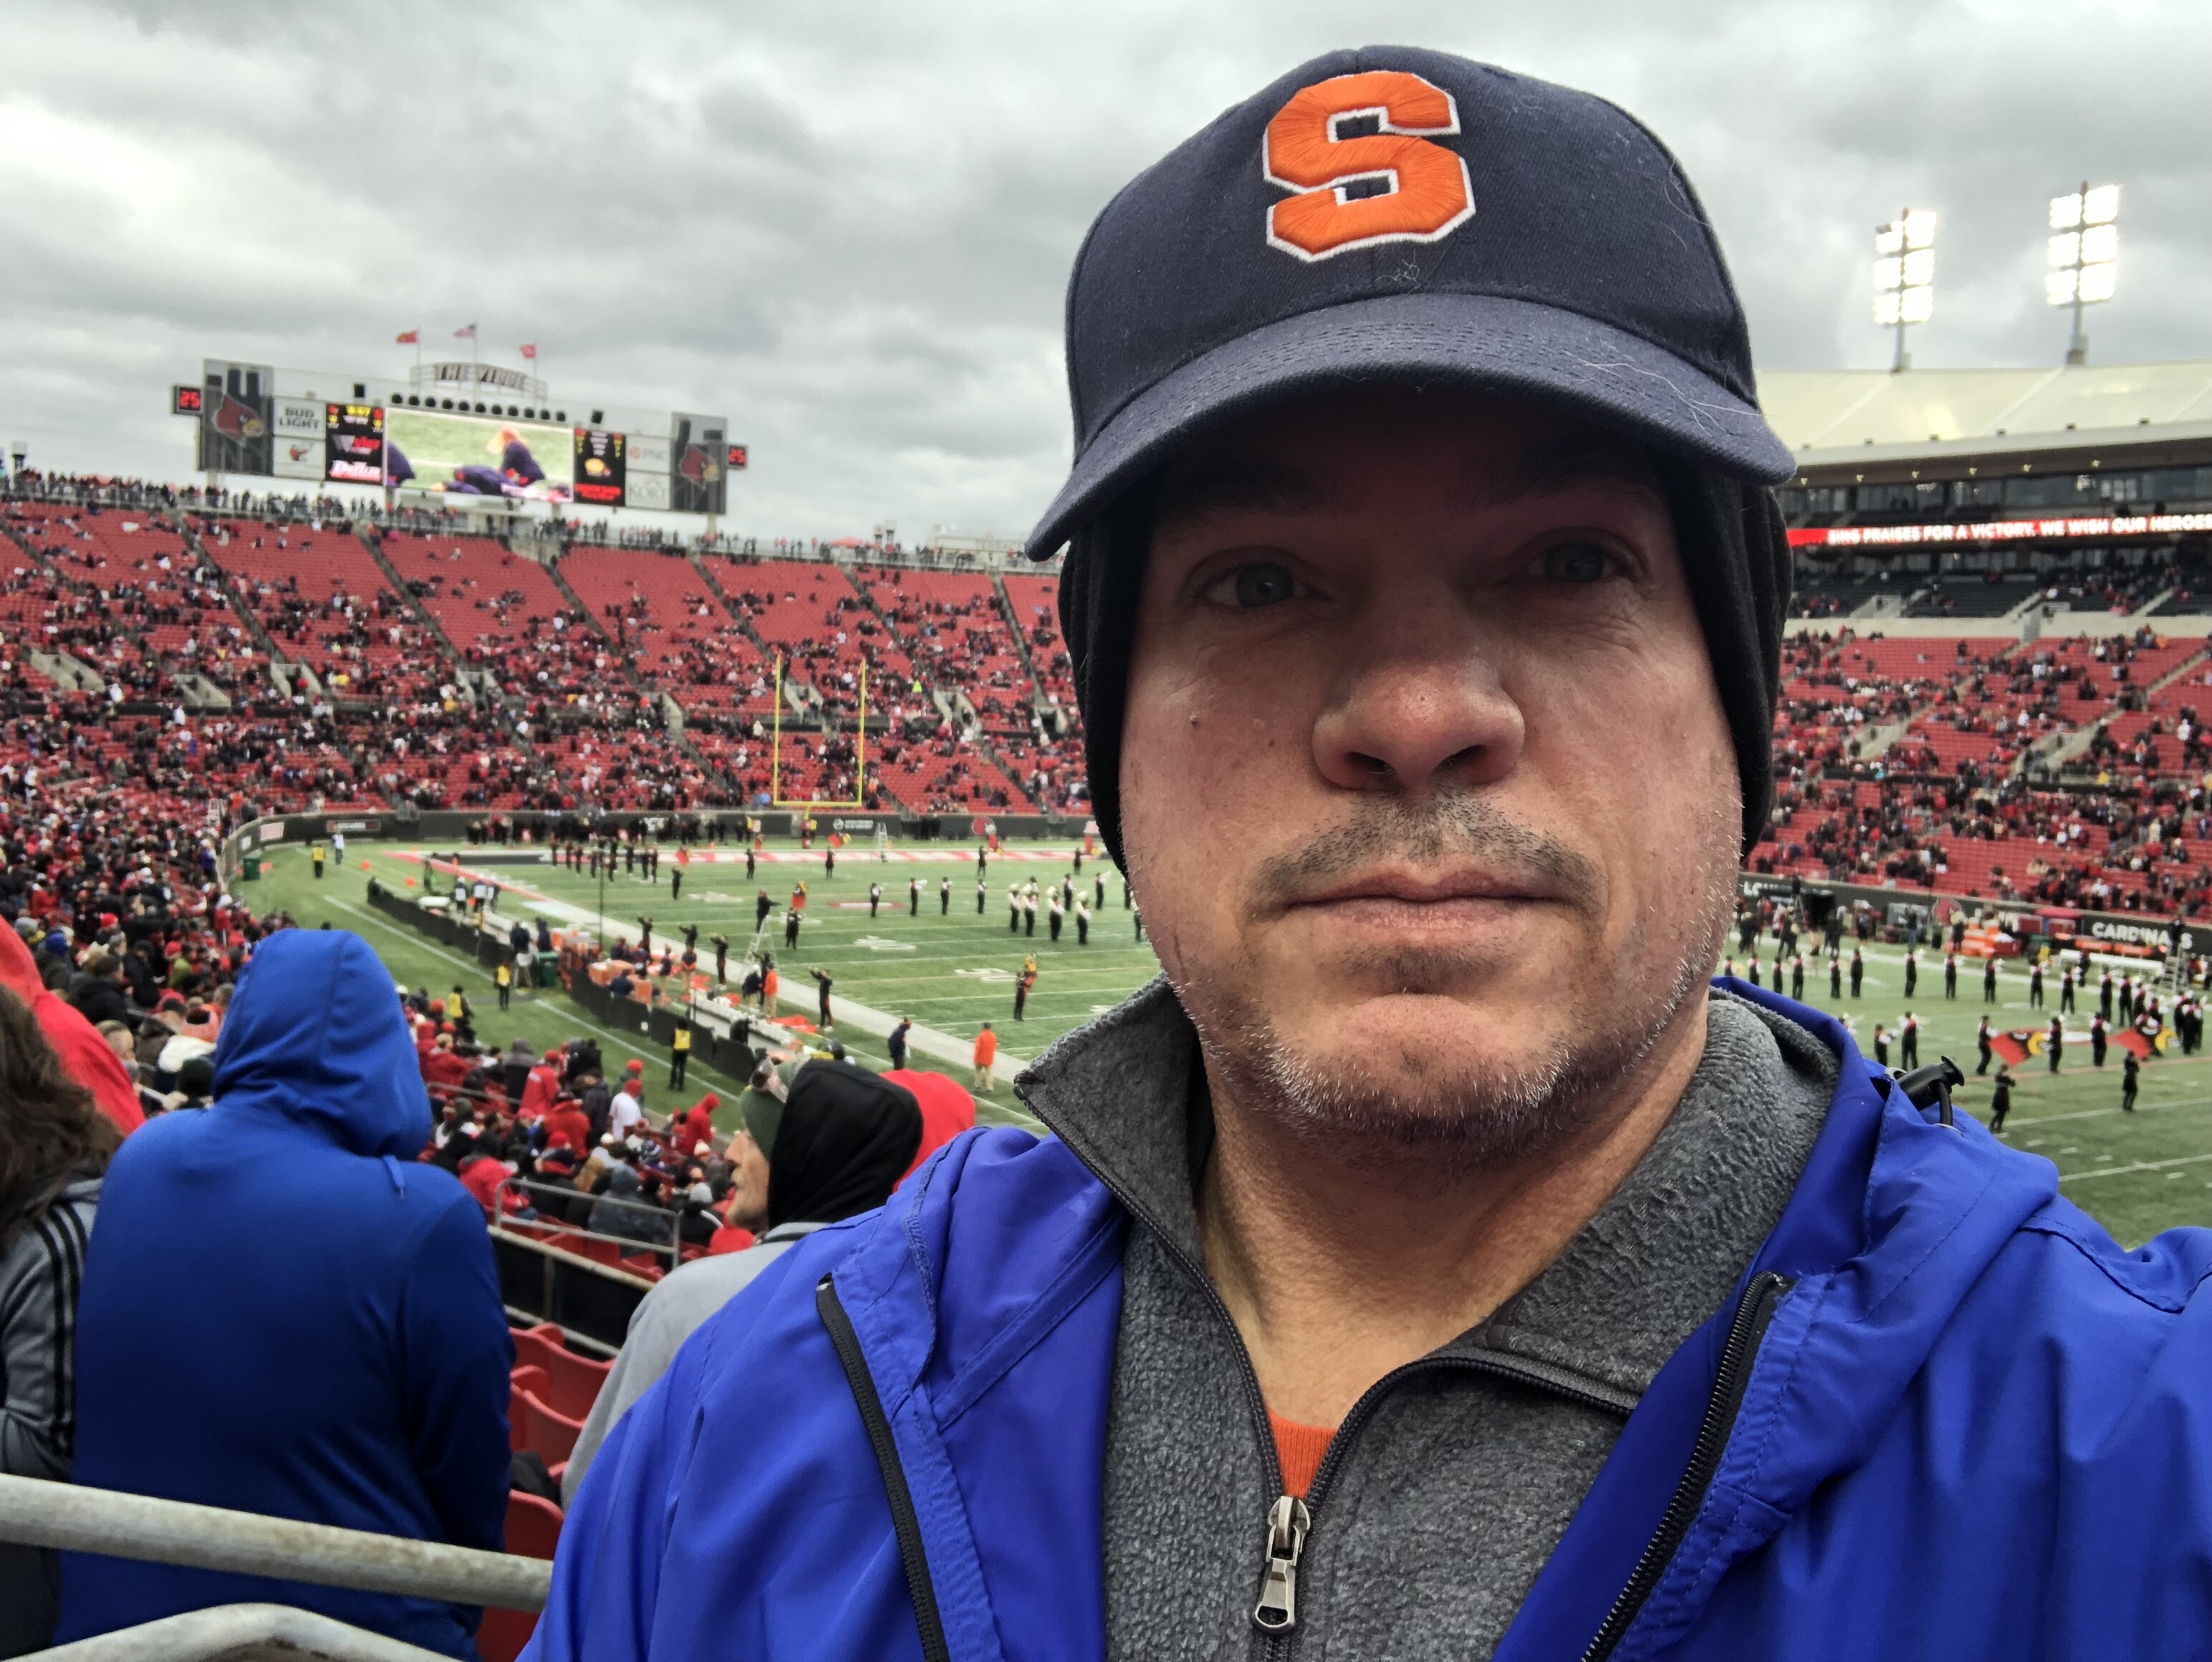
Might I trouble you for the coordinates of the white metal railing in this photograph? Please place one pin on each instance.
(37, 1512)
(239, 1633)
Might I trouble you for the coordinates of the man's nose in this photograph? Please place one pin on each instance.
(1419, 704)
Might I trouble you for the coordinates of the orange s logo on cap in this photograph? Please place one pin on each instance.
(1427, 194)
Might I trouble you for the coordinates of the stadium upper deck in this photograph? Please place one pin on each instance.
(1977, 496)
(432, 666)
(1997, 684)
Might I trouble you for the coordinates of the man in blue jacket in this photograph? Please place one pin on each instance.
(1432, 1264)
(283, 1312)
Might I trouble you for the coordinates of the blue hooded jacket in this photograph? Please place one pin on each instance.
(283, 1312)
(1945, 1417)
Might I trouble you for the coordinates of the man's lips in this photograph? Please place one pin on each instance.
(1421, 889)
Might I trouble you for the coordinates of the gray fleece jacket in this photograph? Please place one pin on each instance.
(41, 1270)
(1447, 1488)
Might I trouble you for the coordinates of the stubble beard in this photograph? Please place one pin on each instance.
(1405, 1110)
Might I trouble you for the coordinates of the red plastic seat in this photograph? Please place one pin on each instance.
(550, 1436)
(528, 1378)
(533, 1531)
(574, 1380)
(599, 1249)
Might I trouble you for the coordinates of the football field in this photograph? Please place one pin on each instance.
(936, 960)
(952, 969)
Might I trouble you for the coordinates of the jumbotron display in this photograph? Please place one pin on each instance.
(467, 430)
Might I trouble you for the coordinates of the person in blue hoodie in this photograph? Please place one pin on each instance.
(283, 1312)
(1433, 1264)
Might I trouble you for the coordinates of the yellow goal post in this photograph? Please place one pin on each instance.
(858, 797)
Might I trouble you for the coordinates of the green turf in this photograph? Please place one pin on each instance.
(2138, 1173)
(949, 971)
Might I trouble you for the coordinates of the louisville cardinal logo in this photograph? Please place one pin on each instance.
(699, 465)
(237, 420)
(1409, 189)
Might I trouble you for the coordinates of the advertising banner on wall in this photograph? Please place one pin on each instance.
(645, 490)
(296, 449)
(480, 455)
(234, 435)
(599, 469)
(647, 452)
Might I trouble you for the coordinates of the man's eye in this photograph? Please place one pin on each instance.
(1577, 563)
(1261, 583)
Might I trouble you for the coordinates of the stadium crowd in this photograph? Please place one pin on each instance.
(172, 665)
(135, 995)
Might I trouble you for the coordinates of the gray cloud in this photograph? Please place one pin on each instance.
(849, 227)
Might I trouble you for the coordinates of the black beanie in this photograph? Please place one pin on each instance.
(1735, 552)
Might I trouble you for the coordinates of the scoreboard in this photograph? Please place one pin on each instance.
(353, 443)
(439, 437)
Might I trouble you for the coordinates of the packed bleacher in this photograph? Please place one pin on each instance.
(272, 653)
(415, 661)
(173, 667)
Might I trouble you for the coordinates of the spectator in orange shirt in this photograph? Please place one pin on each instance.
(987, 1052)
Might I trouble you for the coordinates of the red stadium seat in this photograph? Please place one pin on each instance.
(574, 1380)
(533, 1531)
(548, 1435)
(599, 1249)
(531, 1378)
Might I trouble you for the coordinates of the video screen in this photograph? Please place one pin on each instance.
(479, 455)
(599, 467)
(353, 435)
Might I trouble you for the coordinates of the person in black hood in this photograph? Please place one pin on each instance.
(97, 990)
(835, 1148)
(843, 1140)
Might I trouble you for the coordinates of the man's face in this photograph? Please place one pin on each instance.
(749, 1175)
(1427, 792)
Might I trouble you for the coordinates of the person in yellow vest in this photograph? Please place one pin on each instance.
(504, 978)
(316, 854)
(679, 1053)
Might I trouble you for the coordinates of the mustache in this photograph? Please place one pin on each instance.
(1455, 826)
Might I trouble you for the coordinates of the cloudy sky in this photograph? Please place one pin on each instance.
(848, 225)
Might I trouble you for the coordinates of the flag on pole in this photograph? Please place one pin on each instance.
(529, 351)
(468, 333)
(412, 338)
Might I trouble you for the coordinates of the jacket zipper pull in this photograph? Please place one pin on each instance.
(1288, 1520)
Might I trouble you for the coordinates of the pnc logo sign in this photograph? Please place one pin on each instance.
(1415, 191)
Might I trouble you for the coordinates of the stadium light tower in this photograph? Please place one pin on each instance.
(2085, 246)
(1905, 276)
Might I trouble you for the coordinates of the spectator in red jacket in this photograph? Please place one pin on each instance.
(539, 1089)
(442, 1069)
(695, 1126)
(569, 1118)
(481, 1175)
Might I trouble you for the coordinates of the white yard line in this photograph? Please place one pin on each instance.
(923, 1041)
(2140, 1165)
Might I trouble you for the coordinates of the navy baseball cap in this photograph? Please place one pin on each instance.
(1392, 214)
